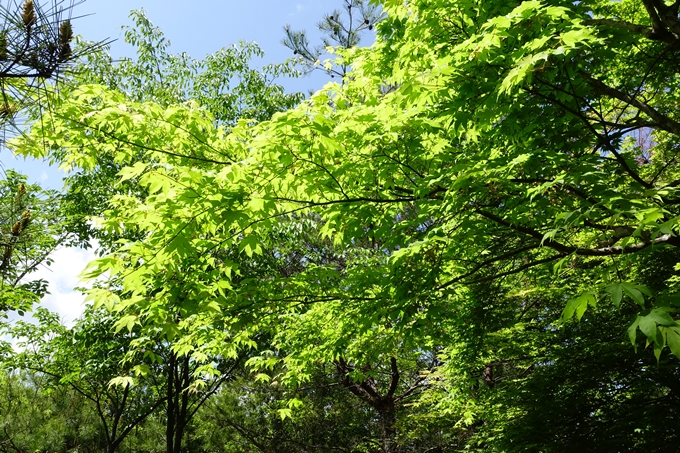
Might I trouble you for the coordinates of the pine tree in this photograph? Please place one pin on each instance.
(342, 28)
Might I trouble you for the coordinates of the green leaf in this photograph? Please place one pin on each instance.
(667, 227)
(636, 292)
(574, 37)
(673, 340)
(133, 171)
(250, 245)
(122, 381)
(294, 403)
(616, 291)
(658, 346)
(579, 306)
(141, 370)
(262, 377)
(285, 413)
(127, 321)
(661, 317)
(648, 327)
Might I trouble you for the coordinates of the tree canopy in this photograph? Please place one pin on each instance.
(429, 228)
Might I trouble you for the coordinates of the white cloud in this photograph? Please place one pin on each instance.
(303, 7)
(62, 276)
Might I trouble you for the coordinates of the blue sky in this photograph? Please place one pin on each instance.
(209, 25)
(199, 29)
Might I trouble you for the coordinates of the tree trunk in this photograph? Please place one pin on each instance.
(383, 403)
(388, 432)
(182, 403)
(171, 404)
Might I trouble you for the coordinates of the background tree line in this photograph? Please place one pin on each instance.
(467, 243)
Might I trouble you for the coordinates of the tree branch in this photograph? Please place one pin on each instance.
(485, 263)
(394, 377)
(661, 120)
(565, 249)
(622, 24)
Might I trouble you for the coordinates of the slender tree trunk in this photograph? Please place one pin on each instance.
(114, 439)
(171, 404)
(113, 446)
(182, 400)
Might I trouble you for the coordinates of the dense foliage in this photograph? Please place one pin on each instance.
(469, 244)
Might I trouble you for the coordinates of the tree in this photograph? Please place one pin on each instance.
(33, 418)
(262, 415)
(337, 32)
(84, 359)
(503, 181)
(246, 417)
(31, 228)
(187, 391)
(35, 45)
(224, 83)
